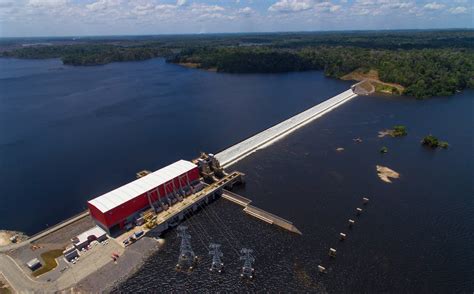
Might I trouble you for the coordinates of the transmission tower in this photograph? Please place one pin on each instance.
(215, 251)
(186, 253)
(247, 269)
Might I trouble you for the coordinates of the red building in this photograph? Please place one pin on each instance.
(113, 210)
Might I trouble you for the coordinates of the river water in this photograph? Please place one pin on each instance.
(70, 133)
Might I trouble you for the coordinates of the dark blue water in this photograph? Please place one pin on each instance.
(71, 133)
(68, 134)
(415, 236)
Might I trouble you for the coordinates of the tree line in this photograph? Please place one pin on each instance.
(426, 63)
(89, 54)
(423, 72)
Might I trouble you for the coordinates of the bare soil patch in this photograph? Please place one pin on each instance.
(6, 235)
(386, 174)
(4, 287)
(372, 77)
(196, 65)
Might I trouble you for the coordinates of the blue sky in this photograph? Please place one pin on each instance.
(120, 17)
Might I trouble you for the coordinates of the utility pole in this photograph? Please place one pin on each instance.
(215, 251)
(247, 269)
(186, 253)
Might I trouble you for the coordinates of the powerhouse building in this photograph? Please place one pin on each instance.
(115, 209)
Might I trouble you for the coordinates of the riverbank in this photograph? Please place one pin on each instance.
(196, 66)
(5, 237)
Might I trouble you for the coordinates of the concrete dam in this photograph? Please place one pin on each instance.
(240, 150)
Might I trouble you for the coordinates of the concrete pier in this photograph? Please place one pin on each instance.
(236, 198)
(236, 152)
(271, 219)
(260, 213)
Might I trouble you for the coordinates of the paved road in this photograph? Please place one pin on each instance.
(89, 263)
(20, 282)
(45, 232)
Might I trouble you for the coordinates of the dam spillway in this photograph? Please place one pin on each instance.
(240, 150)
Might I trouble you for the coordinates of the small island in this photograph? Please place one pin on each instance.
(433, 142)
(396, 131)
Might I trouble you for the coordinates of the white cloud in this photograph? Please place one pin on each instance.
(335, 8)
(317, 6)
(143, 9)
(246, 11)
(39, 3)
(383, 7)
(291, 5)
(102, 4)
(165, 7)
(458, 10)
(43, 17)
(204, 8)
(434, 6)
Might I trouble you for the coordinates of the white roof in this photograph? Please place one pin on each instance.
(142, 185)
(95, 231)
(33, 262)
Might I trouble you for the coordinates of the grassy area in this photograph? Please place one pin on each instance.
(4, 289)
(49, 259)
(386, 88)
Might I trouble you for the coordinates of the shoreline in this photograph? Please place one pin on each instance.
(371, 79)
(194, 65)
(5, 236)
(380, 87)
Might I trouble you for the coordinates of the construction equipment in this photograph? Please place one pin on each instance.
(150, 219)
(142, 173)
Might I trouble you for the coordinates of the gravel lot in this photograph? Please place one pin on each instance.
(62, 237)
(112, 273)
(55, 240)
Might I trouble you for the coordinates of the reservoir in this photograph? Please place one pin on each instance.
(71, 133)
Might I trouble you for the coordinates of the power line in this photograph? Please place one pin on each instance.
(215, 251)
(186, 253)
(247, 257)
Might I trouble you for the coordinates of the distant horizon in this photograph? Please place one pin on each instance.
(59, 18)
(241, 33)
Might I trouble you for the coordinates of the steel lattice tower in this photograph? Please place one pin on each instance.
(215, 251)
(186, 253)
(247, 257)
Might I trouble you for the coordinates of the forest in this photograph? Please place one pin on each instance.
(89, 54)
(423, 72)
(426, 63)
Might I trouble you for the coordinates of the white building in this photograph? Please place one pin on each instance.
(82, 240)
